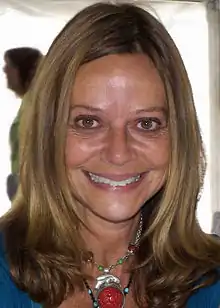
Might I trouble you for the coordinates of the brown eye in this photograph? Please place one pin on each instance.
(149, 124)
(86, 123)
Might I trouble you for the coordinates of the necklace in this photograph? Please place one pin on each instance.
(112, 298)
(108, 289)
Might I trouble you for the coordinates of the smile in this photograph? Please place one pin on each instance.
(102, 180)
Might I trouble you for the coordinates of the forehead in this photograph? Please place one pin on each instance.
(116, 78)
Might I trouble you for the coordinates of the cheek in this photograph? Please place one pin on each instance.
(76, 152)
(158, 153)
(163, 152)
(79, 150)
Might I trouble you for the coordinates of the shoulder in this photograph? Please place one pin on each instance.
(207, 297)
(11, 296)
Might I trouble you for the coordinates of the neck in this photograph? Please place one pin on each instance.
(106, 240)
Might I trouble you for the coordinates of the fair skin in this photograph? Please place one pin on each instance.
(117, 132)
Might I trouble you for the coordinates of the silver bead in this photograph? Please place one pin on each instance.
(106, 270)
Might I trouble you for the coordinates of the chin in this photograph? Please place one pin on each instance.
(117, 214)
(112, 218)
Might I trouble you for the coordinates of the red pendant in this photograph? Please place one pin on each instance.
(110, 297)
(132, 248)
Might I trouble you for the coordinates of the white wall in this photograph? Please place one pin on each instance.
(17, 30)
(186, 23)
(189, 28)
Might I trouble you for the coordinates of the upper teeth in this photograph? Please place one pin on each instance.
(100, 179)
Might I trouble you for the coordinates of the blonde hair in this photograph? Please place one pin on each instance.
(41, 230)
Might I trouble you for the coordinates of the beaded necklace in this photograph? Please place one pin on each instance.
(108, 289)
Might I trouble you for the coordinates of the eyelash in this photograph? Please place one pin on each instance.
(78, 123)
(79, 119)
(150, 121)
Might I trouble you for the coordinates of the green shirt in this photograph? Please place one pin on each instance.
(14, 143)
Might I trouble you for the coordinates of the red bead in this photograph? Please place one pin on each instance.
(110, 297)
(132, 248)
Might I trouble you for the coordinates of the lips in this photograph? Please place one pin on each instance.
(115, 182)
(115, 177)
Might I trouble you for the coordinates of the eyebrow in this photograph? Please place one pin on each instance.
(95, 109)
(90, 108)
(152, 109)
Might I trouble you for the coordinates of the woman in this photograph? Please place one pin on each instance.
(111, 171)
(20, 67)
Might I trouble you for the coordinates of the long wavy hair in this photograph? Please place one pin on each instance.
(41, 234)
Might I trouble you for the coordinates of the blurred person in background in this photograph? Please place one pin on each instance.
(20, 67)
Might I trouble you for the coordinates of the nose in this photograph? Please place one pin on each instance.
(118, 150)
(5, 68)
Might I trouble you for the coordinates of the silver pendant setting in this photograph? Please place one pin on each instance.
(107, 289)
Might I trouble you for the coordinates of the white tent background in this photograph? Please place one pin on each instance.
(36, 23)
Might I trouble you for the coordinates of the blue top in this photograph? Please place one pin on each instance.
(12, 297)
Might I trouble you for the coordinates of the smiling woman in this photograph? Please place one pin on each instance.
(112, 164)
(117, 142)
